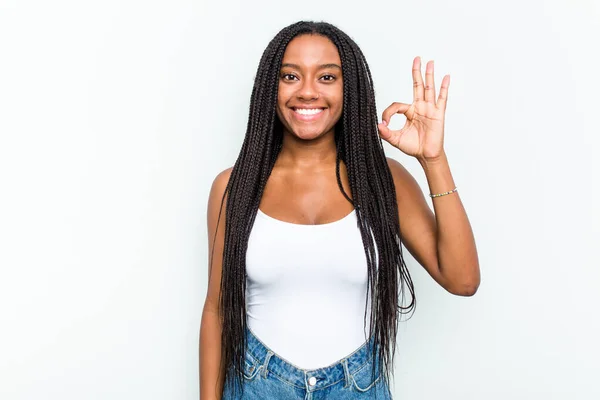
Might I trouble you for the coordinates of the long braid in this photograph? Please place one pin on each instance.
(362, 163)
(372, 194)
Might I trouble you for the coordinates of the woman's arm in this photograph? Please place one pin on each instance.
(211, 370)
(443, 242)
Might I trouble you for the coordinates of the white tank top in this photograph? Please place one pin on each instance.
(306, 288)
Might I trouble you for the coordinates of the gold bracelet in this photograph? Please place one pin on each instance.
(443, 194)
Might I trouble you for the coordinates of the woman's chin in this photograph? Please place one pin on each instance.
(308, 134)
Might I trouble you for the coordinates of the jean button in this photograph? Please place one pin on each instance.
(312, 381)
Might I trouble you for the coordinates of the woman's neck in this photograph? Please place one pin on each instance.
(299, 154)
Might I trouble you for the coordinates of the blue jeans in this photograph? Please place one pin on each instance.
(268, 376)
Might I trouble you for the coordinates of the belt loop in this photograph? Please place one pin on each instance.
(346, 372)
(266, 363)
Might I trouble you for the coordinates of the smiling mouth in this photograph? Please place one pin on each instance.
(308, 111)
(307, 114)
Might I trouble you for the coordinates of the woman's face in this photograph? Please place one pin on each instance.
(310, 94)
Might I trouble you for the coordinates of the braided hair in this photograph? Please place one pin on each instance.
(359, 146)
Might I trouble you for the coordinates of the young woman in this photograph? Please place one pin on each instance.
(306, 267)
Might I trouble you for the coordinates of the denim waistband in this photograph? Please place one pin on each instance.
(284, 370)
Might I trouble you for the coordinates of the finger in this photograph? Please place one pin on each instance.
(387, 134)
(429, 83)
(394, 108)
(443, 97)
(384, 131)
(417, 80)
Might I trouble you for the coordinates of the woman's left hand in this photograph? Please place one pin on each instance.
(423, 134)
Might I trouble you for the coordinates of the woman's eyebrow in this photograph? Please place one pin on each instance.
(323, 66)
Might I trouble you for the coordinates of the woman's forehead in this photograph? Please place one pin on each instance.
(310, 50)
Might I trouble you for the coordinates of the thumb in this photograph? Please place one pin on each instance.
(384, 131)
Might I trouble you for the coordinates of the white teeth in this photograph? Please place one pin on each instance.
(307, 111)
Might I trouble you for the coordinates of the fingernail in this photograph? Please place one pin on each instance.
(384, 123)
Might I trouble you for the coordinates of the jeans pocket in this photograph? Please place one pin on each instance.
(363, 379)
(251, 367)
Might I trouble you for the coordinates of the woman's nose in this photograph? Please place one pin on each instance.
(308, 90)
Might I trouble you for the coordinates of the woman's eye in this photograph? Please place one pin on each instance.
(288, 77)
(328, 78)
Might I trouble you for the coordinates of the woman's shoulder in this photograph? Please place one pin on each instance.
(398, 170)
(222, 178)
(404, 182)
(218, 189)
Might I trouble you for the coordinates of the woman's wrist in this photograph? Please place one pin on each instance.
(432, 163)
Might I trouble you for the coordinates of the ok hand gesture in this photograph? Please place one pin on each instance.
(423, 134)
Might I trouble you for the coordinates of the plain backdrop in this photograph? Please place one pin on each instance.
(116, 115)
